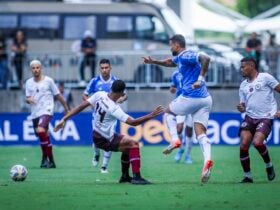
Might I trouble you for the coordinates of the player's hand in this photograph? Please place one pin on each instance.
(59, 125)
(30, 101)
(147, 60)
(158, 110)
(66, 111)
(197, 84)
(241, 107)
(172, 89)
(122, 99)
(277, 115)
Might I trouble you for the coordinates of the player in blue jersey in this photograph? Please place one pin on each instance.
(184, 123)
(194, 100)
(102, 82)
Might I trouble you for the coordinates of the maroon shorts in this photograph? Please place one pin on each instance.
(263, 126)
(42, 121)
(105, 144)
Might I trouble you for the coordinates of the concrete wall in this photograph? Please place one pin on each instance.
(224, 100)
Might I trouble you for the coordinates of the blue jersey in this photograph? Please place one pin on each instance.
(189, 66)
(98, 84)
(176, 81)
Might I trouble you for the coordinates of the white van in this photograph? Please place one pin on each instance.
(124, 32)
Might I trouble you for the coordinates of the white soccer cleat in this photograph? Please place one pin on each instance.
(104, 170)
(94, 162)
(206, 171)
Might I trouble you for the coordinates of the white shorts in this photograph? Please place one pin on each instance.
(188, 121)
(198, 108)
(180, 119)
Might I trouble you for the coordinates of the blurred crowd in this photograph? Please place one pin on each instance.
(13, 56)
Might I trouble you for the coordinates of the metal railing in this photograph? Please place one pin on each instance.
(126, 65)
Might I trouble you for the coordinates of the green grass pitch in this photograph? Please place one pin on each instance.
(75, 184)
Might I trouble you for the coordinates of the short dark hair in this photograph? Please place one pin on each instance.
(104, 60)
(249, 59)
(178, 38)
(118, 86)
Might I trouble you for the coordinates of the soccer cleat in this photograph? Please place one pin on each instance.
(44, 162)
(139, 181)
(51, 165)
(270, 173)
(125, 179)
(246, 180)
(178, 155)
(206, 171)
(174, 145)
(104, 170)
(188, 160)
(95, 161)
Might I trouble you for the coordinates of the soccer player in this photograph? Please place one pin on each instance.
(40, 92)
(258, 103)
(102, 82)
(194, 100)
(184, 123)
(107, 112)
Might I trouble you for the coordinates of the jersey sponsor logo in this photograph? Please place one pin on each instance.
(258, 86)
(244, 125)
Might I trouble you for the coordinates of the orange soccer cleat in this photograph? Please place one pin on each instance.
(174, 145)
(206, 171)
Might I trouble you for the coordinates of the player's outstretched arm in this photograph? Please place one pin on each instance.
(167, 62)
(134, 122)
(122, 99)
(73, 112)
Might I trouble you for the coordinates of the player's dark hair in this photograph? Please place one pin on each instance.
(104, 61)
(249, 59)
(179, 39)
(118, 86)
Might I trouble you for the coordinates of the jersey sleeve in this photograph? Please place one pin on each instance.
(90, 88)
(92, 99)
(120, 114)
(173, 79)
(190, 57)
(242, 98)
(28, 92)
(54, 88)
(271, 81)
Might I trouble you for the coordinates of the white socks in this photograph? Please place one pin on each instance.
(172, 126)
(205, 146)
(95, 150)
(106, 158)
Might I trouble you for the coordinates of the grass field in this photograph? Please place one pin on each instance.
(75, 184)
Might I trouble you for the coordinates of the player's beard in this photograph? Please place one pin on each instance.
(174, 53)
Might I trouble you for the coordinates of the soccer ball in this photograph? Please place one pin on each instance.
(18, 173)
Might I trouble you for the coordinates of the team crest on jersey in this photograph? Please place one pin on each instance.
(258, 86)
(251, 89)
(244, 124)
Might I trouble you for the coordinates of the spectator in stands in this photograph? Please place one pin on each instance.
(272, 56)
(19, 48)
(4, 71)
(67, 95)
(88, 48)
(253, 48)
